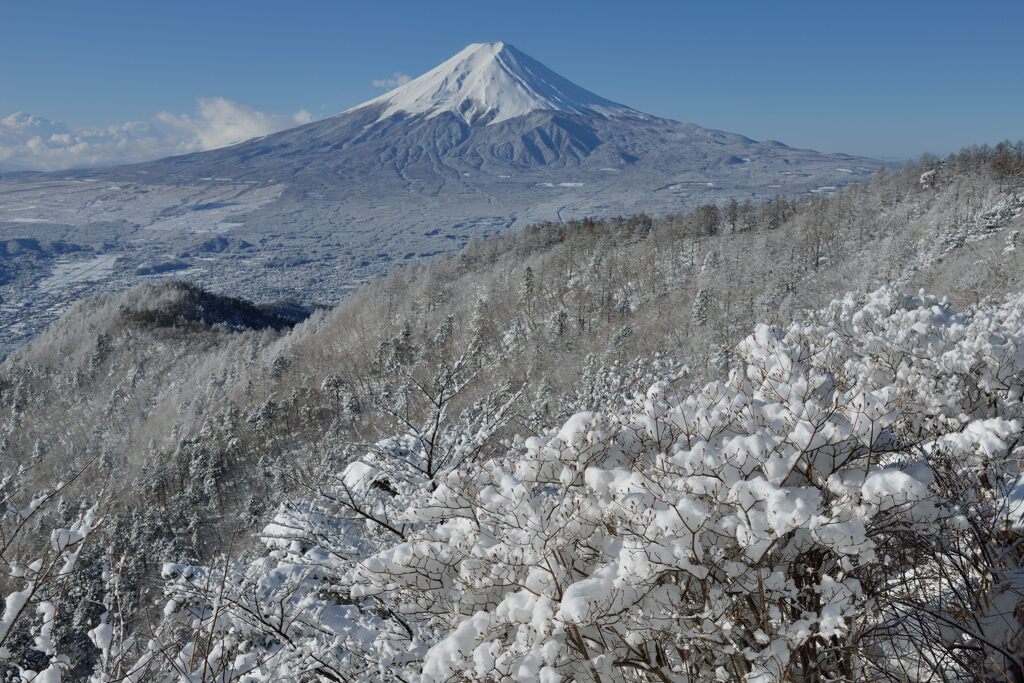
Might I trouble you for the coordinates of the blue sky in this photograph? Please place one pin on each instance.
(888, 79)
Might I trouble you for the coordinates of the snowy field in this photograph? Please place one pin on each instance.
(69, 272)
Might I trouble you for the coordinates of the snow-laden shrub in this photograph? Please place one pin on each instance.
(37, 566)
(845, 505)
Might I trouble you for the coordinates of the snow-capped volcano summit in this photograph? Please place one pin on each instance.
(487, 83)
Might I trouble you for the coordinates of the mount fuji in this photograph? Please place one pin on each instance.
(487, 140)
(491, 114)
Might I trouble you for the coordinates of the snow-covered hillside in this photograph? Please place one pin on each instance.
(634, 450)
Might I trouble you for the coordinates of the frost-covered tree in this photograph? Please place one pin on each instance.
(699, 310)
(38, 557)
(526, 287)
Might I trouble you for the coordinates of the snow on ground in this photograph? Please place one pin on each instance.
(189, 207)
(68, 272)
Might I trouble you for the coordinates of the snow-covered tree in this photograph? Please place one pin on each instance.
(36, 573)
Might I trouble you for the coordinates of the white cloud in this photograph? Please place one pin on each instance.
(398, 78)
(31, 142)
(221, 122)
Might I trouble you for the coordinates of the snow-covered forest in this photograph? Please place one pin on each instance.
(756, 442)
